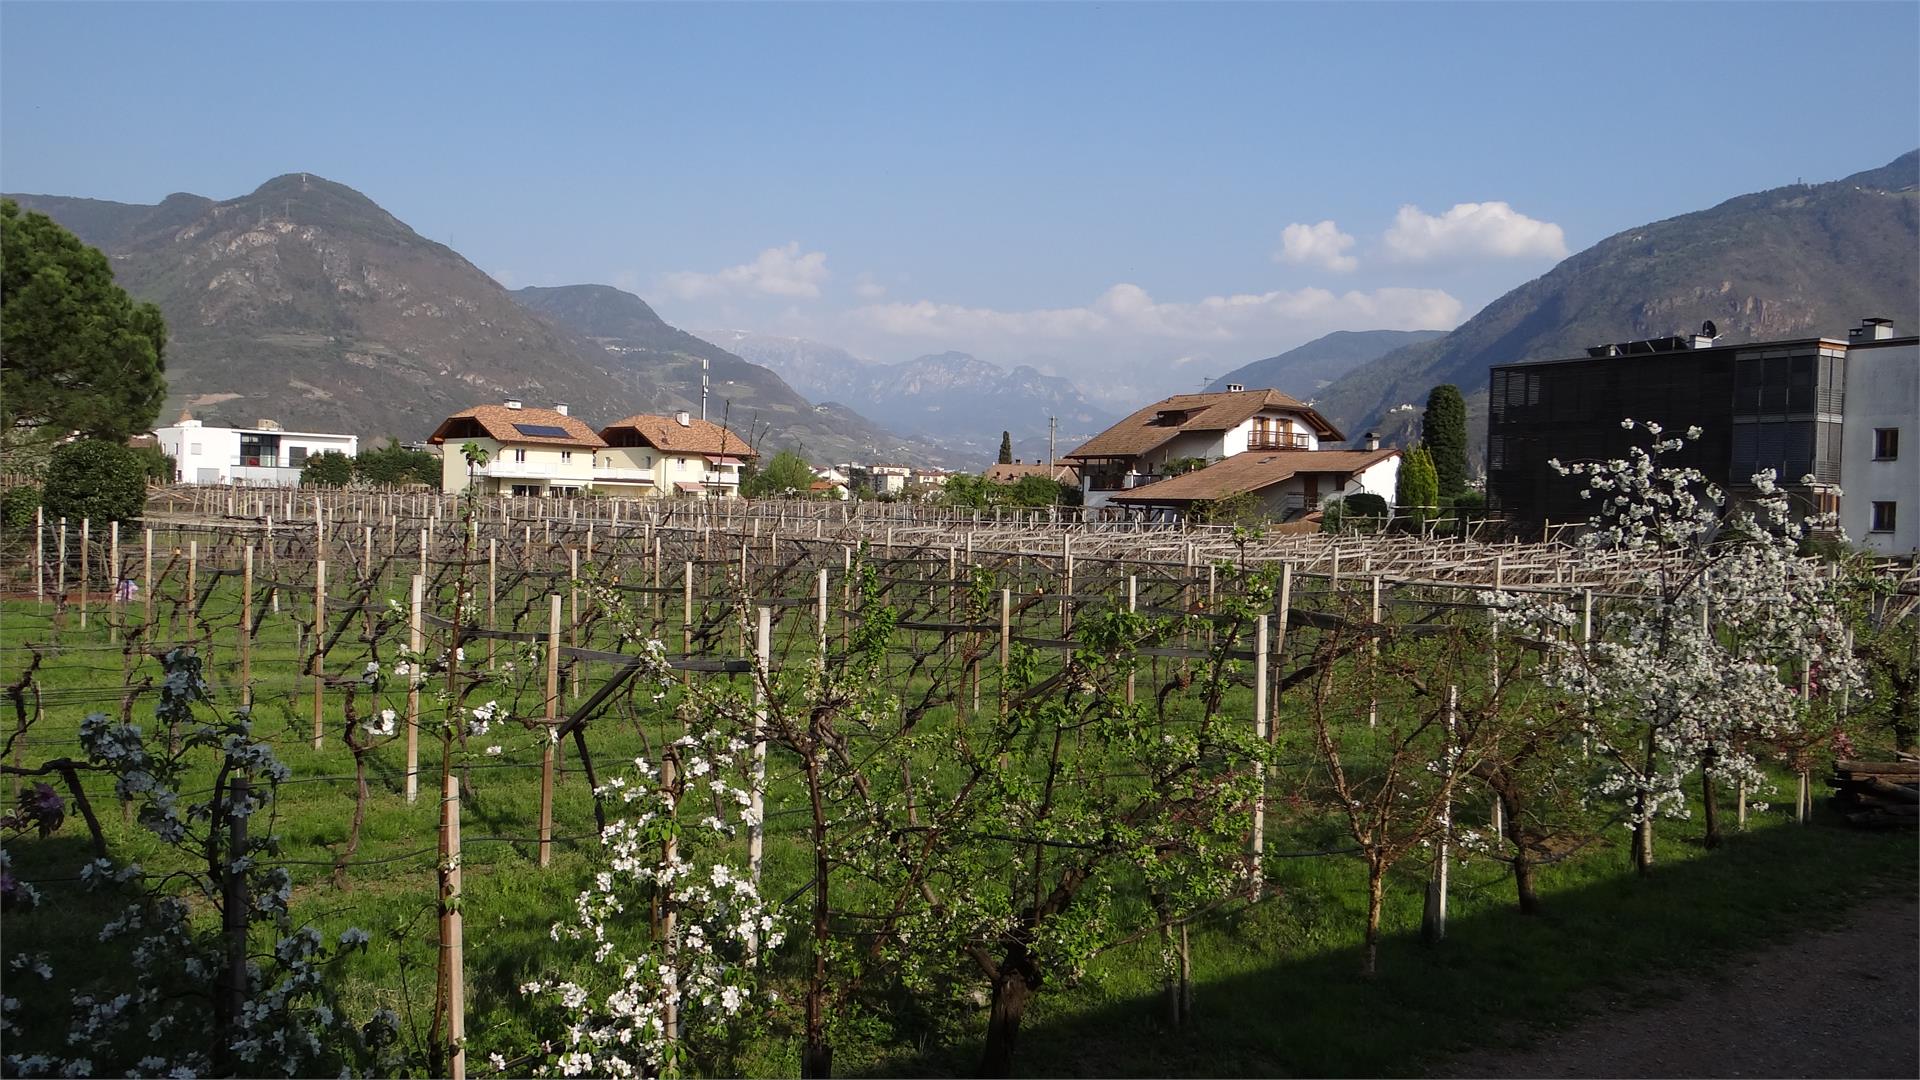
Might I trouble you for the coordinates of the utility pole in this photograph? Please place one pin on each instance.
(703, 388)
(1053, 425)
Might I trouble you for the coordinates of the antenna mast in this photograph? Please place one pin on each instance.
(703, 388)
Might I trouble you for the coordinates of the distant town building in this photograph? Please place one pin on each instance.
(264, 454)
(889, 479)
(1826, 415)
(1189, 449)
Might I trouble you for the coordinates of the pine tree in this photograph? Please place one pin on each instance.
(1006, 448)
(76, 353)
(1445, 437)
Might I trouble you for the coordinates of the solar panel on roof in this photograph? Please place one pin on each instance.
(541, 431)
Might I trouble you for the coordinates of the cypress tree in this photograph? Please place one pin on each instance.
(1444, 435)
(1006, 448)
(1417, 490)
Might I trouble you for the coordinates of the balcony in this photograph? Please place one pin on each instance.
(616, 474)
(507, 468)
(1279, 440)
(1122, 481)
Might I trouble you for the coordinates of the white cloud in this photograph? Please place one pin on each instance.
(1469, 230)
(777, 271)
(1127, 312)
(1322, 245)
(868, 289)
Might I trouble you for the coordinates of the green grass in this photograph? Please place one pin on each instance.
(1277, 985)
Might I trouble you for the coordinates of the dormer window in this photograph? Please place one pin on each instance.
(1169, 418)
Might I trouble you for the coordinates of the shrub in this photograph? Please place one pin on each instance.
(328, 468)
(103, 481)
(395, 464)
(16, 507)
(157, 463)
(1364, 510)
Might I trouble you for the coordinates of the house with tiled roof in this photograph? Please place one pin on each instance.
(1219, 445)
(1059, 473)
(529, 451)
(671, 455)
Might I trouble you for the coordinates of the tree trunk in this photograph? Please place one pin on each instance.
(1011, 992)
(1522, 861)
(1643, 845)
(1376, 890)
(1708, 812)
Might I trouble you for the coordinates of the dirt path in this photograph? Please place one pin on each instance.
(1840, 1002)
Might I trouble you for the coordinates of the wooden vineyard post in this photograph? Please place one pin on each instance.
(553, 728)
(319, 647)
(40, 553)
(366, 548)
(60, 567)
(573, 615)
(423, 553)
(234, 904)
(762, 661)
(246, 627)
(1803, 804)
(1282, 605)
(1373, 651)
(493, 592)
(1493, 652)
(86, 553)
(1259, 767)
(654, 599)
(1006, 643)
(416, 644)
(147, 575)
(116, 609)
(1133, 605)
(452, 950)
(686, 608)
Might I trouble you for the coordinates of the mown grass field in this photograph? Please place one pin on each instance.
(1276, 984)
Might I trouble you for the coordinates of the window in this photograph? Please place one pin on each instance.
(296, 456)
(196, 450)
(1886, 443)
(566, 455)
(681, 462)
(519, 455)
(1883, 517)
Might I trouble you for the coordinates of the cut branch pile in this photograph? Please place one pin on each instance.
(1877, 794)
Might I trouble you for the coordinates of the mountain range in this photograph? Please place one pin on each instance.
(954, 397)
(1796, 261)
(306, 303)
(1307, 369)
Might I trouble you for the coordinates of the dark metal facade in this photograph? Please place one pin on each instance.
(1763, 405)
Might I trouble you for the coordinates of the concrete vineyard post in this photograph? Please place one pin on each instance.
(319, 648)
(246, 627)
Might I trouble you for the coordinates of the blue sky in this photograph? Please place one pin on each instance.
(1105, 189)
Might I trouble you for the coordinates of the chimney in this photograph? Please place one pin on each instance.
(1873, 329)
(683, 418)
(267, 425)
(513, 403)
(1234, 388)
(1373, 440)
(560, 407)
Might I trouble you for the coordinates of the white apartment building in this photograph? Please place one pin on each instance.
(1880, 440)
(529, 451)
(260, 455)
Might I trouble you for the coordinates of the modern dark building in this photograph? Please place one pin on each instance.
(1759, 405)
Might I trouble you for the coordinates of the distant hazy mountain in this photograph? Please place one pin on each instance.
(306, 303)
(1304, 371)
(1795, 261)
(745, 394)
(960, 399)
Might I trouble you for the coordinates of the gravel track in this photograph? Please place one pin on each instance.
(1830, 1003)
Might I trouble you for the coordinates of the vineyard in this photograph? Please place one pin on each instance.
(397, 783)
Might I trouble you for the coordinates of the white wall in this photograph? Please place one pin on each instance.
(211, 455)
(1883, 391)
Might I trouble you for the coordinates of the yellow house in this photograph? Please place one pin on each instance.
(670, 455)
(529, 451)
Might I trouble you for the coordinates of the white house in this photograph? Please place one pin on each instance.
(1880, 447)
(261, 455)
(529, 451)
(670, 455)
(1194, 448)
